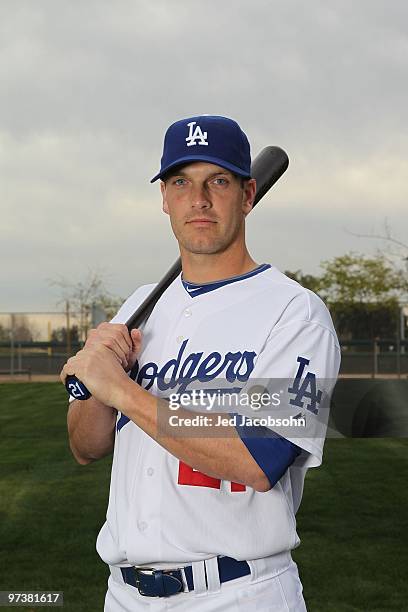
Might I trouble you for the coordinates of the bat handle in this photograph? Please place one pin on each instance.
(76, 388)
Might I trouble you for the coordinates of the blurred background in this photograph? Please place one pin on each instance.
(88, 89)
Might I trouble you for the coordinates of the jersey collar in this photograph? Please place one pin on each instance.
(193, 289)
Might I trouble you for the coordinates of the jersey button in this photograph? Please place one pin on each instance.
(142, 525)
(150, 471)
(188, 312)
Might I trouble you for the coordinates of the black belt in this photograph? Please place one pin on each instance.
(163, 583)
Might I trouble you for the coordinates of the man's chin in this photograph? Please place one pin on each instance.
(204, 248)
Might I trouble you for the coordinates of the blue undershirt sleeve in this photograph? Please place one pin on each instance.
(272, 453)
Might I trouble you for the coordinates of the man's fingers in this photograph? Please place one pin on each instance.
(115, 337)
(121, 352)
(119, 329)
(115, 344)
(136, 336)
(69, 366)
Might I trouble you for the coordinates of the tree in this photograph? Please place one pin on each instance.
(306, 280)
(363, 294)
(4, 333)
(60, 335)
(396, 251)
(354, 278)
(23, 330)
(80, 296)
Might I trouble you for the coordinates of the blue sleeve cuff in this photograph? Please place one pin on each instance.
(272, 453)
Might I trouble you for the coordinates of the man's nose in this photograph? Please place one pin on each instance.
(200, 197)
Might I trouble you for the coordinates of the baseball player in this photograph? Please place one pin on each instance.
(203, 497)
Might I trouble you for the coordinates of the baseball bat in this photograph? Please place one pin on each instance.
(267, 168)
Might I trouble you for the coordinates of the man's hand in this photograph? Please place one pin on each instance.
(116, 337)
(99, 368)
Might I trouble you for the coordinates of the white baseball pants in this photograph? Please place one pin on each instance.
(253, 593)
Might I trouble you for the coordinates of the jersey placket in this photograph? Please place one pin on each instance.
(146, 487)
(185, 319)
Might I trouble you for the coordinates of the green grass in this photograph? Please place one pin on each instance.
(353, 526)
(50, 507)
(352, 521)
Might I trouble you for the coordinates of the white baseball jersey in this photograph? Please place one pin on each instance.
(261, 326)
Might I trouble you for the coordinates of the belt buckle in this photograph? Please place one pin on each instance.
(145, 570)
(184, 580)
(151, 571)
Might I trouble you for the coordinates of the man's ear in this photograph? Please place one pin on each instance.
(164, 199)
(248, 197)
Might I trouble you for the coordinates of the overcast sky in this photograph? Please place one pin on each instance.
(89, 87)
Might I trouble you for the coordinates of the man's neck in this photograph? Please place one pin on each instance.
(208, 268)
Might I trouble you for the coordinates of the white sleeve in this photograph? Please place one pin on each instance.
(132, 303)
(298, 366)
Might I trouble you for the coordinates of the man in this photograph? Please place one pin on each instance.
(205, 519)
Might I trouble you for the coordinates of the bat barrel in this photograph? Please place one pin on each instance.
(267, 168)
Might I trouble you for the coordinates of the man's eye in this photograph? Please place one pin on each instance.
(220, 181)
(180, 181)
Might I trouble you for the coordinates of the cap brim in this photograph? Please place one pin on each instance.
(202, 158)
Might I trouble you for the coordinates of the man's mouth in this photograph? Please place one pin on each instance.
(201, 220)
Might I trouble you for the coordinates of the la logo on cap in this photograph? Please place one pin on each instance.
(197, 136)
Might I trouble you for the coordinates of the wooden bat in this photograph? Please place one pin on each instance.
(267, 168)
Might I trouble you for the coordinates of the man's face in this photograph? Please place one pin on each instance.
(207, 206)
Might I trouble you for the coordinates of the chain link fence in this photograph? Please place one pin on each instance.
(39, 343)
(378, 357)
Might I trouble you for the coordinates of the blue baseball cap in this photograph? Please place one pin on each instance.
(207, 138)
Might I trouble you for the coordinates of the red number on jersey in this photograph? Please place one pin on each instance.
(189, 476)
